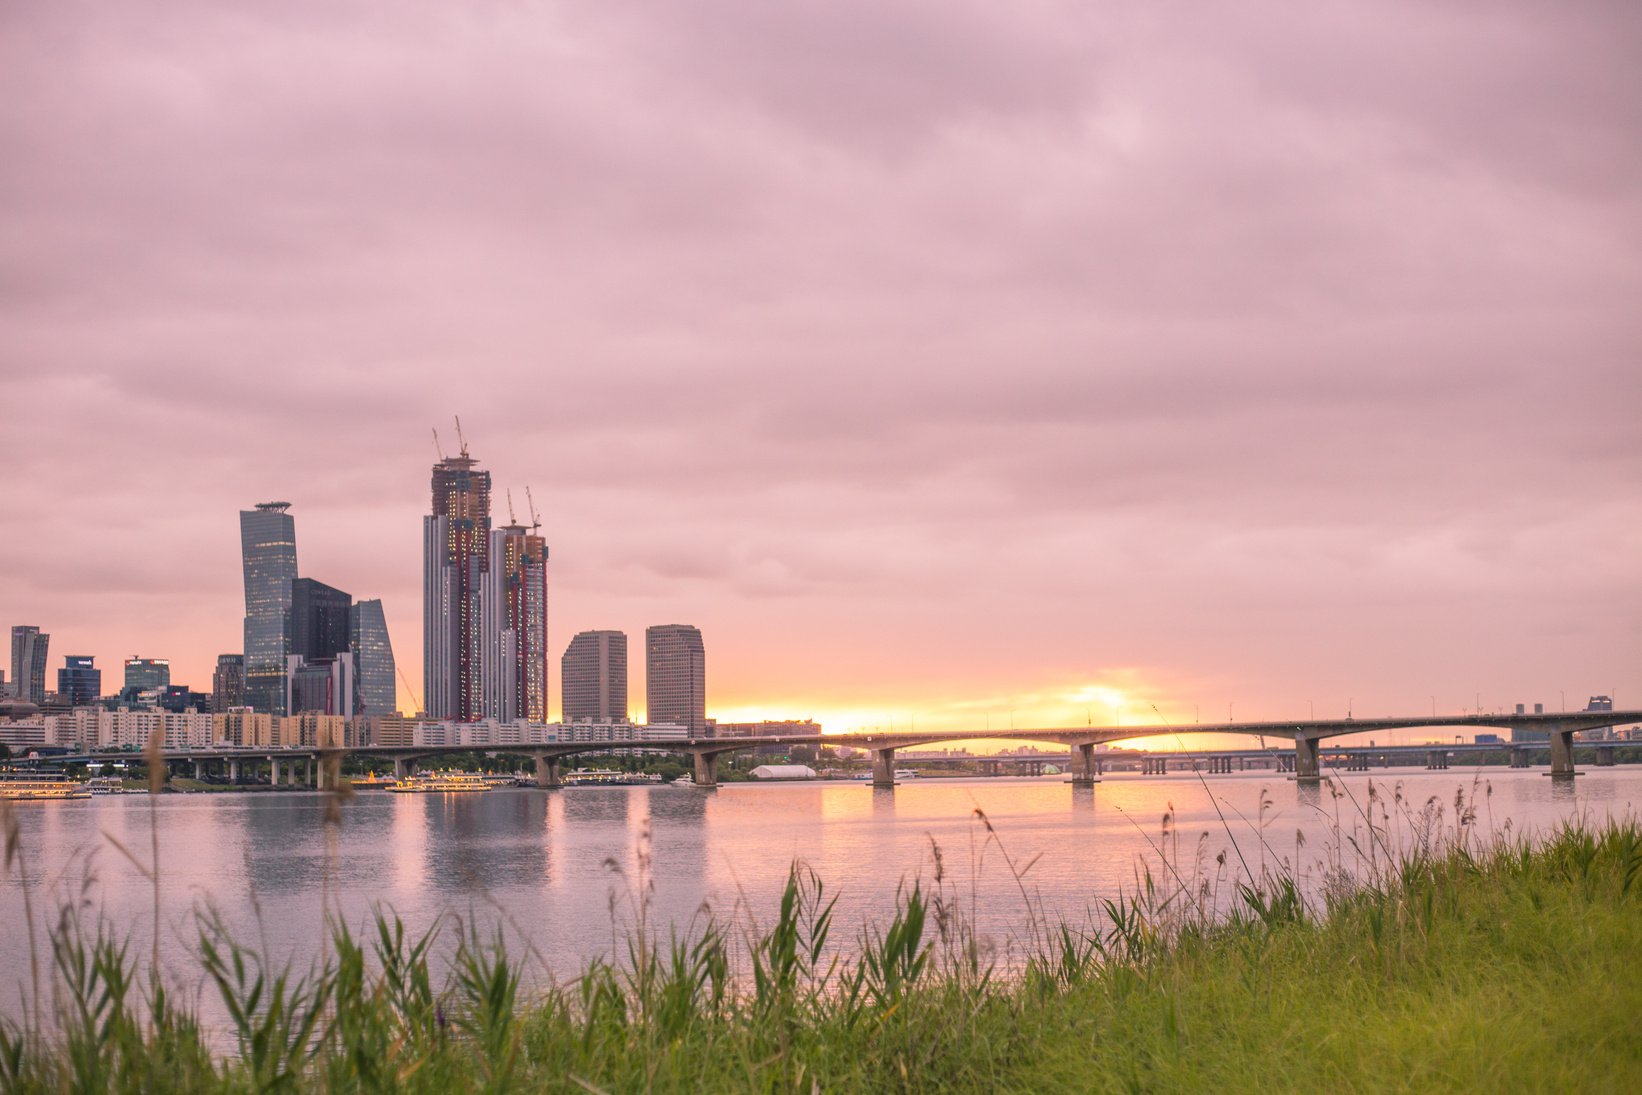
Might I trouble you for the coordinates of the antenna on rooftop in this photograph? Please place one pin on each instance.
(459, 436)
(438, 448)
(535, 520)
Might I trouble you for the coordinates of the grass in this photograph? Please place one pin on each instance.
(1447, 967)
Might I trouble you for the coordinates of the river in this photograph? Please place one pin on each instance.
(566, 871)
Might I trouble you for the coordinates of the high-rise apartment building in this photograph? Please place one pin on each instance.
(593, 674)
(268, 549)
(28, 663)
(79, 682)
(514, 614)
(145, 674)
(228, 682)
(456, 560)
(675, 677)
(373, 660)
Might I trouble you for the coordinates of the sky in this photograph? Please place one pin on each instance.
(948, 364)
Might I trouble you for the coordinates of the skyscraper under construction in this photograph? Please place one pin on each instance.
(516, 626)
(484, 610)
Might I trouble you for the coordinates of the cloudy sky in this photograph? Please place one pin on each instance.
(945, 361)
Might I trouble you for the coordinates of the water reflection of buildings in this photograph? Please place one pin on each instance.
(283, 843)
(479, 842)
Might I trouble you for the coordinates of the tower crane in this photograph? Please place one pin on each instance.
(459, 437)
(535, 520)
(438, 448)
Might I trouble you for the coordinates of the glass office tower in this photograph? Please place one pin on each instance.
(79, 682)
(321, 618)
(373, 660)
(268, 547)
(28, 663)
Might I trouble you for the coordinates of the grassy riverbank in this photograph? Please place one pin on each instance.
(1506, 969)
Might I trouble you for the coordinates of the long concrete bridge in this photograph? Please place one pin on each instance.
(1306, 763)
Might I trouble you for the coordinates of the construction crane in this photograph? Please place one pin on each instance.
(438, 448)
(535, 521)
(404, 680)
(459, 436)
(511, 520)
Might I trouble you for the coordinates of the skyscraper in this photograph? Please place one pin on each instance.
(228, 683)
(373, 659)
(320, 620)
(28, 663)
(515, 626)
(594, 677)
(268, 548)
(675, 676)
(79, 682)
(456, 559)
(143, 674)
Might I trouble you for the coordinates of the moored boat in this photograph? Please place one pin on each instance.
(40, 786)
(439, 783)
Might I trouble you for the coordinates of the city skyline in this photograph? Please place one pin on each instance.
(1031, 368)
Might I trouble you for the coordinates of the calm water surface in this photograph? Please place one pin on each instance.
(560, 868)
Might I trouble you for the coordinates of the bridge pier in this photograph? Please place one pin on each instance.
(1562, 753)
(199, 771)
(1154, 766)
(1605, 756)
(547, 773)
(233, 771)
(706, 773)
(1085, 766)
(883, 768)
(1519, 758)
(1436, 759)
(1308, 767)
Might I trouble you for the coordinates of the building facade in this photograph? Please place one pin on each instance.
(28, 663)
(268, 553)
(675, 677)
(79, 682)
(456, 560)
(228, 682)
(593, 677)
(324, 686)
(373, 660)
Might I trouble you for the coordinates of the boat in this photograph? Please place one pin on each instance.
(905, 773)
(439, 783)
(686, 780)
(599, 777)
(105, 785)
(39, 786)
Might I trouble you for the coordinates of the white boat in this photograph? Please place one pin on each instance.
(686, 780)
(440, 783)
(905, 773)
(105, 785)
